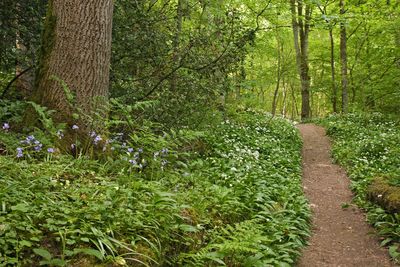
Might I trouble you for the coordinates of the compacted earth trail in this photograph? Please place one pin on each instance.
(341, 236)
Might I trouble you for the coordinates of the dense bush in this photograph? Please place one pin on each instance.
(230, 195)
(368, 146)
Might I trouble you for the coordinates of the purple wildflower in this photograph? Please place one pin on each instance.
(20, 152)
(50, 150)
(140, 150)
(97, 139)
(164, 151)
(30, 139)
(133, 162)
(38, 147)
(75, 127)
(130, 150)
(6, 126)
(93, 134)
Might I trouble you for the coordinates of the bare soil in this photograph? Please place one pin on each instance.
(341, 236)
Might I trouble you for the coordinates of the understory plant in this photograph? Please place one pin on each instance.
(227, 195)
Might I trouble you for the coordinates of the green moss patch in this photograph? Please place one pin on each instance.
(384, 194)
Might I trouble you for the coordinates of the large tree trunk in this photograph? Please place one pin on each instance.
(301, 28)
(76, 49)
(343, 60)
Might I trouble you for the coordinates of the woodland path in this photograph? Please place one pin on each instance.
(341, 237)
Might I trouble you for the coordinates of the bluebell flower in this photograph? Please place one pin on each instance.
(164, 150)
(133, 162)
(130, 150)
(20, 152)
(28, 140)
(38, 147)
(50, 150)
(93, 134)
(6, 126)
(97, 139)
(75, 127)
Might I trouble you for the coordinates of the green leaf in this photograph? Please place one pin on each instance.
(187, 228)
(44, 253)
(20, 207)
(25, 243)
(393, 251)
(386, 241)
(90, 252)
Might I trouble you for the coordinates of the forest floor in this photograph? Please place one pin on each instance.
(341, 235)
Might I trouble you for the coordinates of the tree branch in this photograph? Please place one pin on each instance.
(13, 80)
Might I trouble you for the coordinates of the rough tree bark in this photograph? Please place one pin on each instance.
(76, 49)
(343, 59)
(301, 28)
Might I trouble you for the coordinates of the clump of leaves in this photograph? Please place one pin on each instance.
(239, 202)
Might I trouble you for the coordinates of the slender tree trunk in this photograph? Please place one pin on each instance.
(343, 59)
(333, 78)
(176, 43)
(278, 78)
(301, 29)
(295, 111)
(24, 84)
(284, 102)
(76, 49)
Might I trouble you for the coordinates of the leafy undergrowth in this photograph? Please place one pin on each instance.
(368, 147)
(228, 196)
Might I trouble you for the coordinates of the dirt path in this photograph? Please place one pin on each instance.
(341, 237)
